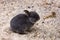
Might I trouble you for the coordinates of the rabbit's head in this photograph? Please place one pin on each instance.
(33, 16)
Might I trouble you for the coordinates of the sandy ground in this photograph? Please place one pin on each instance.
(48, 27)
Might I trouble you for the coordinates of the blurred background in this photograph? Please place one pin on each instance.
(48, 27)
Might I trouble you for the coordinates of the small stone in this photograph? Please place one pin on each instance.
(28, 6)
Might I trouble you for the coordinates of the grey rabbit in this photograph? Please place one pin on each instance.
(22, 23)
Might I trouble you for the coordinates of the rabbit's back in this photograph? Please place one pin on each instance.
(23, 23)
(19, 19)
(20, 23)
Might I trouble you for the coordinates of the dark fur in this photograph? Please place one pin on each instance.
(22, 23)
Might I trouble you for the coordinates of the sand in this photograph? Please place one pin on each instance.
(48, 27)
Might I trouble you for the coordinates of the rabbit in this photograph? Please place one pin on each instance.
(22, 23)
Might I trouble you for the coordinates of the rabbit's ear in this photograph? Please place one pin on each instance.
(27, 12)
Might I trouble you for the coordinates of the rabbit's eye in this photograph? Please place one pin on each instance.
(33, 20)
